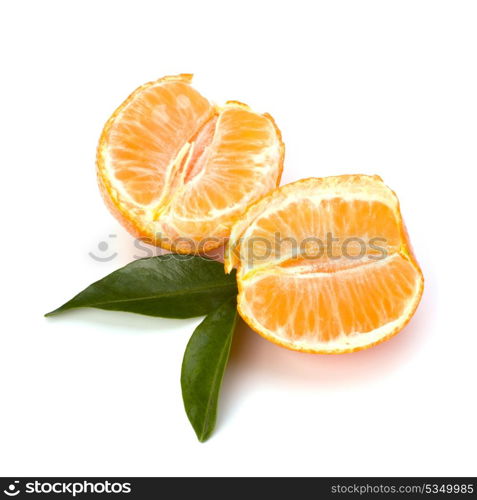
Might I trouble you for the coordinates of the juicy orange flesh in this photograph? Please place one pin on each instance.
(323, 308)
(200, 148)
(317, 270)
(150, 134)
(327, 236)
(191, 160)
(195, 165)
(240, 137)
(240, 163)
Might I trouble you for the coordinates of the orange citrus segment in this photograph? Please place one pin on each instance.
(324, 265)
(147, 135)
(176, 169)
(239, 166)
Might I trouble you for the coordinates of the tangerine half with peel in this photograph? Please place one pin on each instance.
(325, 265)
(178, 171)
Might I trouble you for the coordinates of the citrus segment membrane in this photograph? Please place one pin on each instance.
(309, 278)
(146, 137)
(176, 169)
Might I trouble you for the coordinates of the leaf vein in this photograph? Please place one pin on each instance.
(159, 296)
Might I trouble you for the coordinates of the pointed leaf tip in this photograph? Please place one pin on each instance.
(170, 286)
(203, 367)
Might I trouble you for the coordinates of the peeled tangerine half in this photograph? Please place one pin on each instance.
(325, 265)
(179, 171)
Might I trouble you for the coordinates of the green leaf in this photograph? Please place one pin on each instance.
(169, 286)
(203, 367)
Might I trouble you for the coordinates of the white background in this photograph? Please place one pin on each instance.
(376, 87)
